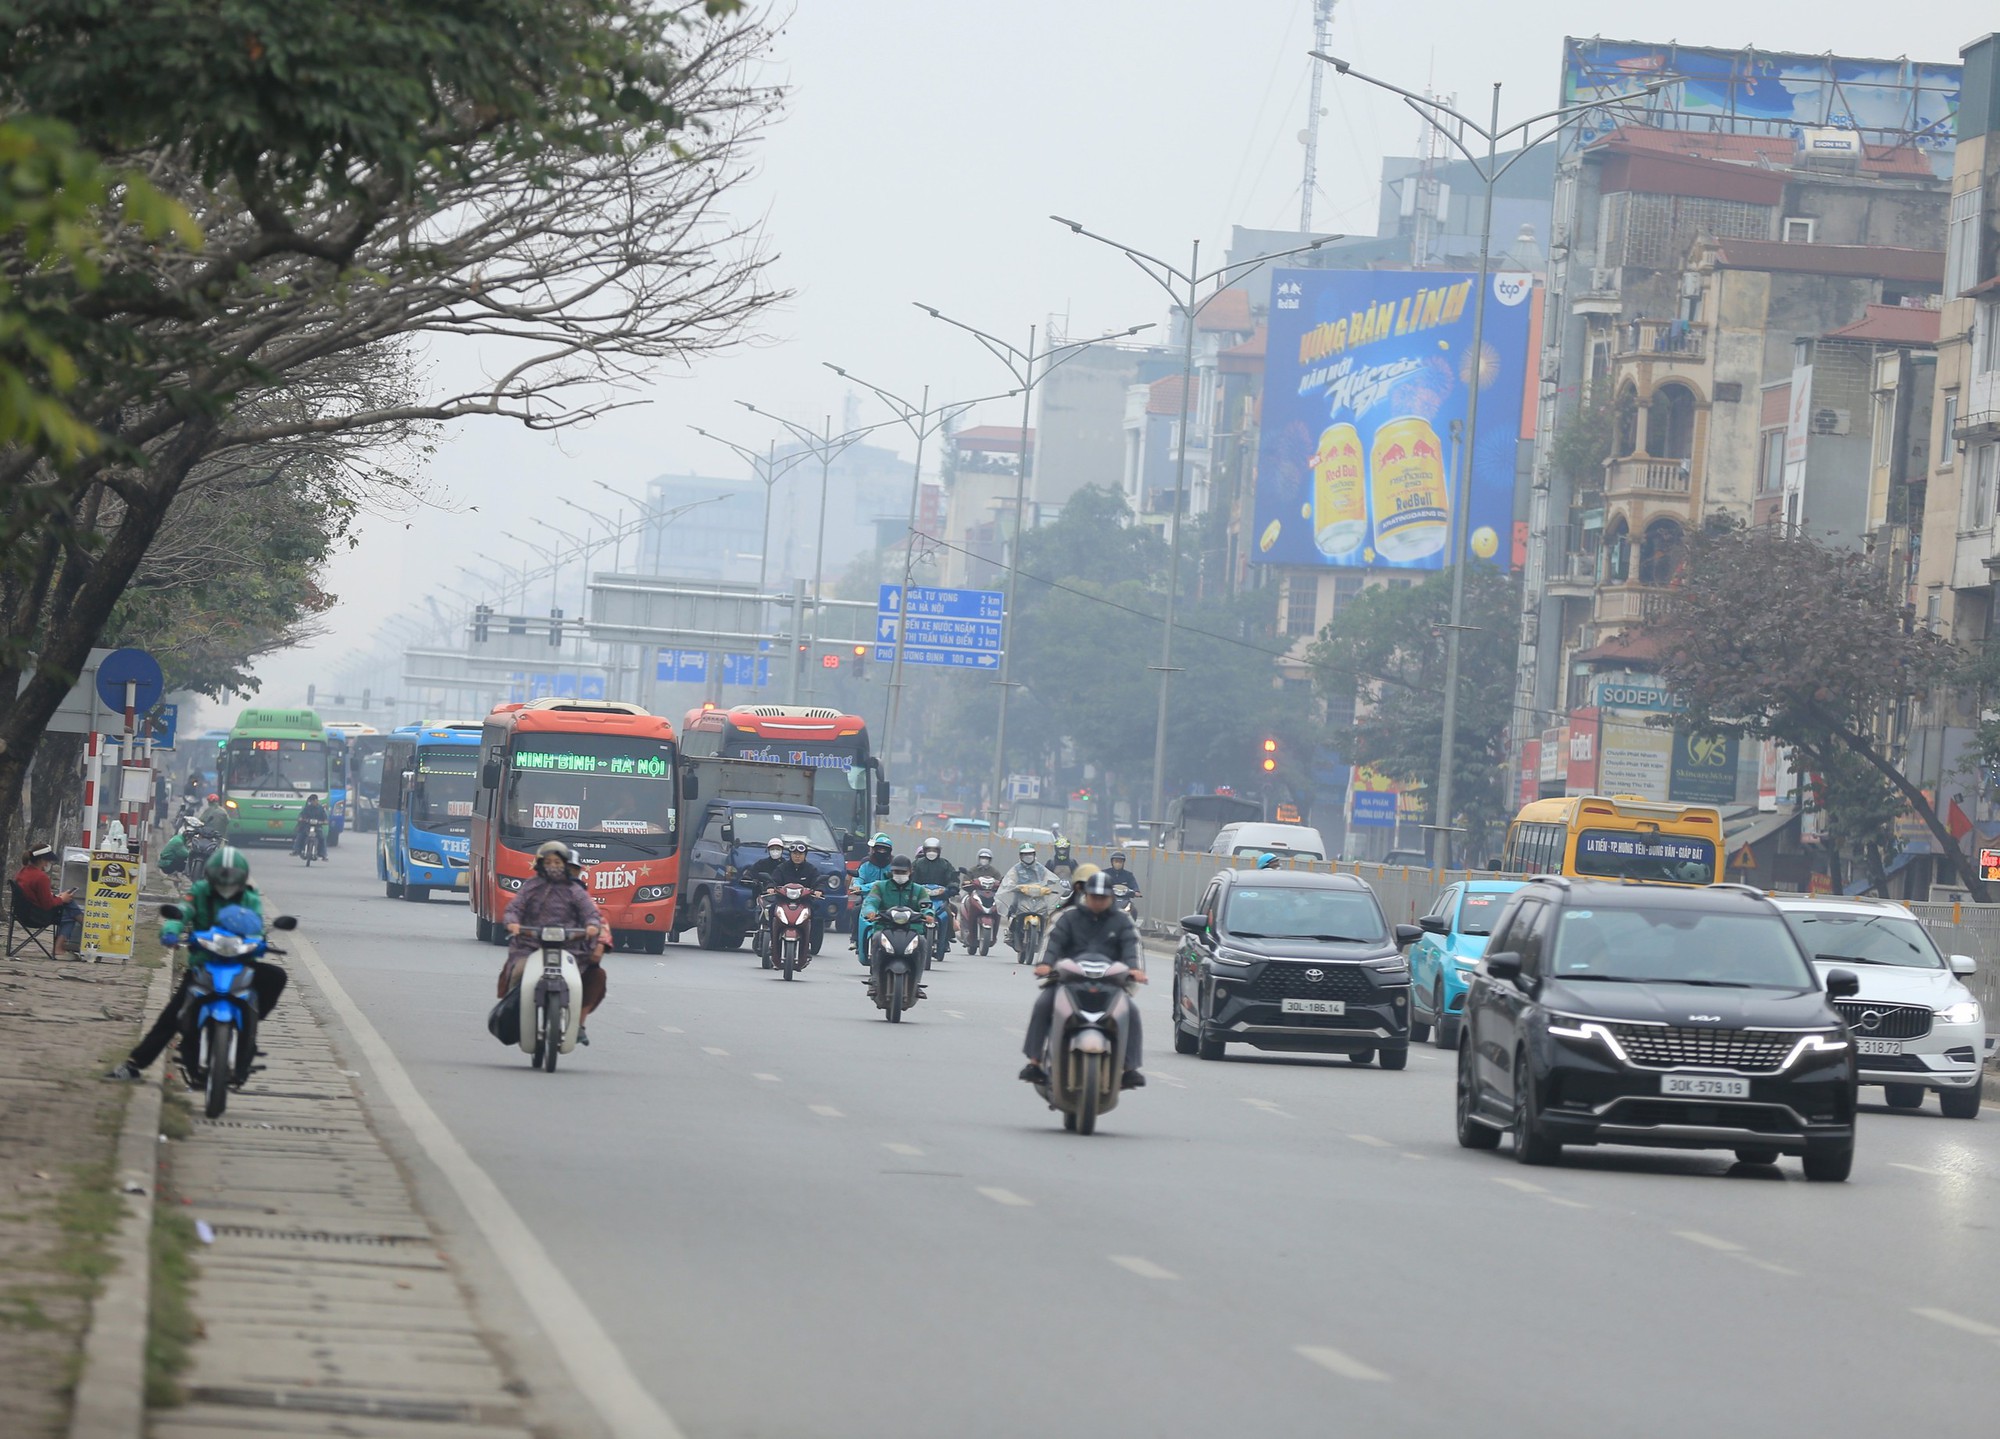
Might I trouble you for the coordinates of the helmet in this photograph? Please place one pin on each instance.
(227, 871)
(796, 845)
(985, 854)
(557, 847)
(1027, 849)
(775, 845)
(1062, 845)
(1118, 856)
(1098, 882)
(900, 865)
(1267, 860)
(241, 921)
(881, 841)
(1083, 872)
(930, 844)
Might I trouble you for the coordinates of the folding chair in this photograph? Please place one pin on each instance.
(35, 925)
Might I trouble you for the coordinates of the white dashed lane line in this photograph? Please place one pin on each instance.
(718, 1053)
(1708, 1241)
(1270, 1106)
(1144, 1268)
(1005, 1196)
(1371, 1141)
(768, 1078)
(908, 1151)
(1959, 1322)
(669, 1029)
(826, 1111)
(1519, 1184)
(1345, 1365)
(1918, 1169)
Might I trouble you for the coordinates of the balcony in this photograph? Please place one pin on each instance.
(1660, 339)
(1631, 604)
(1645, 478)
(1571, 574)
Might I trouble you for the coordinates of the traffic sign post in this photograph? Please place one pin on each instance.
(959, 629)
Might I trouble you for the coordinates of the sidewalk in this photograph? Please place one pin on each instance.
(61, 1026)
(325, 1305)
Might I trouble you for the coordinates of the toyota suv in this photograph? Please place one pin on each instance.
(1608, 1012)
(1284, 959)
(1916, 1027)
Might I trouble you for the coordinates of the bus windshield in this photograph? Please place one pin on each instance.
(367, 766)
(1621, 854)
(289, 765)
(446, 780)
(616, 790)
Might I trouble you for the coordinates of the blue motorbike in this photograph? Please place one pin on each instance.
(219, 1015)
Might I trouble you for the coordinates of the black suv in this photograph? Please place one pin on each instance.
(1283, 959)
(1624, 1013)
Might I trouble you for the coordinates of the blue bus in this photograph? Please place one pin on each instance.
(424, 813)
(336, 783)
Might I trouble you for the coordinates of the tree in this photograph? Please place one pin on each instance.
(1385, 655)
(1777, 636)
(1859, 809)
(542, 177)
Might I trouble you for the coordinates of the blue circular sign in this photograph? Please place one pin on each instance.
(133, 667)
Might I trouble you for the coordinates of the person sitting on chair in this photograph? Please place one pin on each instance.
(46, 904)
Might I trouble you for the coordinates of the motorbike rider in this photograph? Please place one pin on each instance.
(897, 889)
(874, 867)
(312, 810)
(225, 882)
(215, 817)
(556, 894)
(758, 875)
(1076, 881)
(1094, 926)
(1030, 870)
(1062, 864)
(983, 869)
(1267, 860)
(1118, 874)
(795, 868)
(931, 867)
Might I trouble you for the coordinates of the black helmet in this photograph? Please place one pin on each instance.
(900, 865)
(796, 845)
(1097, 882)
(1118, 856)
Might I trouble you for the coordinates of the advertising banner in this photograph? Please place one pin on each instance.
(1531, 767)
(1583, 727)
(110, 905)
(1703, 770)
(1371, 800)
(1635, 758)
(1365, 390)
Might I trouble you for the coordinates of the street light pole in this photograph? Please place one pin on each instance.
(1021, 365)
(1490, 172)
(765, 467)
(1183, 287)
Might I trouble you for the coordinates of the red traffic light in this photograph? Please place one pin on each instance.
(829, 662)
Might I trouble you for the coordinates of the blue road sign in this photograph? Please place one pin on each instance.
(135, 667)
(961, 629)
(161, 725)
(747, 670)
(686, 667)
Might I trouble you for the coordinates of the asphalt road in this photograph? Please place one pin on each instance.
(795, 1219)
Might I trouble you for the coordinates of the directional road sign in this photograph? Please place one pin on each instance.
(961, 629)
(687, 667)
(749, 670)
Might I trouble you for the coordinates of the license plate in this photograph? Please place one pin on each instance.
(1878, 1046)
(1312, 1006)
(1705, 1086)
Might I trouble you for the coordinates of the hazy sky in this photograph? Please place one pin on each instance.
(923, 147)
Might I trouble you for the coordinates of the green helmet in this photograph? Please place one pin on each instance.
(881, 839)
(227, 871)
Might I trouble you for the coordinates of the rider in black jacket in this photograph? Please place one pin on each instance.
(932, 867)
(1093, 927)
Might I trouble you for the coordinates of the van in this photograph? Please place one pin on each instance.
(1288, 841)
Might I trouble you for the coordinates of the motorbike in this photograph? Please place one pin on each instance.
(311, 845)
(979, 915)
(1085, 1059)
(786, 939)
(1126, 900)
(941, 914)
(1031, 915)
(552, 1001)
(219, 1017)
(898, 954)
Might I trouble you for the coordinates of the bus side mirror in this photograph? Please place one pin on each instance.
(489, 775)
(690, 786)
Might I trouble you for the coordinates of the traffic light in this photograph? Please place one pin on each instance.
(829, 662)
(481, 615)
(1270, 755)
(311, 691)
(555, 627)
(861, 662)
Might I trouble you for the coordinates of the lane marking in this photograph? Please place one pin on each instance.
(1768, 1266)
(955, 1014)
(1919, 1169)
(1958, 1321)
(1345, 1365)
(1168, 1079)
(1521, 1184)
(670, 1029)
(1708, 1241)
(768, 1078)
(597, 1369)
(1144, 1268)
(718, 1053)
(1005, 1196)
(826, 1110)
(1269, 1106)
(1408, 1155)
(1371, 1141)
(1565, 1203)
(908, 1151)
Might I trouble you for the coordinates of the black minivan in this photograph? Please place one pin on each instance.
(1608, 1012)
(1292, 960)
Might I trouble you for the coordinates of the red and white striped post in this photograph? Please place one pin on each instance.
(91, 774)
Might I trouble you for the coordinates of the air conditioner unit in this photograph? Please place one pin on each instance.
(1604, 280)
(1829, 421)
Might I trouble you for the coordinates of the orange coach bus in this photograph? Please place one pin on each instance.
(848, 787)
(603, 778)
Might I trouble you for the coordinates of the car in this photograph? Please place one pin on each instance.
(961, 824)
(1441, 963)
(1031, 833)
(1287, 841)
(1406, 859)
(1293, 960)
(1916, 1027)
(1617, 1012)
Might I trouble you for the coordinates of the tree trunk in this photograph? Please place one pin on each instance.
(1967, 872)
(1878, 872)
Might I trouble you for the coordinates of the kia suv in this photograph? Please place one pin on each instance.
(1608, 1012)
(1289, 959)
(1916, 1027)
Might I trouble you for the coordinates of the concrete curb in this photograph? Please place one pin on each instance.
(110, 1397)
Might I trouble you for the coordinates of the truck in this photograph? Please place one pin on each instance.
(730, 809)
(1194, 820)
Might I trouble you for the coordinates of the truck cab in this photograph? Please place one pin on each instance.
(723, 838)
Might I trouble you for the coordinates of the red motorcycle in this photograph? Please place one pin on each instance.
(979, 915)
(788, 928)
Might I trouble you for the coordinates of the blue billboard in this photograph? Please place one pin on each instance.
(1365, 389)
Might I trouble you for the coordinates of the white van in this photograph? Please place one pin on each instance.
(1287, 841)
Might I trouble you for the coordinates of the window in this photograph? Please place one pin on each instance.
(1797, 230)
(1792, 513)
(1670, 423)
(1660, 553)
(1961, 244)
(1301, 605)
(1346, 589)
(1885, 427)
(1948, 450)
(1771, 462)
(1982, 463)
(1524, 937)
(1987, 338)
(1617, 553)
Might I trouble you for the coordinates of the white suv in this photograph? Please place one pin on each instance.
(1916, 1027)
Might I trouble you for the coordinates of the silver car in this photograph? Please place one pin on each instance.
(1915, 1025)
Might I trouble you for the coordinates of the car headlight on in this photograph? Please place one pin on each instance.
(1966, 1011)
(652, 893)
(426, 856)
(1578, 1030)
(1828, 1042)
(1240, 961)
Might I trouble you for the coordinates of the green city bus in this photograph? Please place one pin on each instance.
(274, 758)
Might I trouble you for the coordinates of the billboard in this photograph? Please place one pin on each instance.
(1365, 388)
(1759, 92)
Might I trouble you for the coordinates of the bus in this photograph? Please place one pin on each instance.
(848, 787)
(1616, 837)
(599, 775)
(336, 794)
(423, 838)
(271, 761)
(361, 746)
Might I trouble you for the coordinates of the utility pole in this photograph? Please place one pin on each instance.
(1322, 37)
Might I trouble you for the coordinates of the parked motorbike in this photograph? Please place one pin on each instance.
(219, 1019)
(979, 915)
(552, 1001)
(788, 928)
(898, 954)
(1085, 1059)
(1032, 904)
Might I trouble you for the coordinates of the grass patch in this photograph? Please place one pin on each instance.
(87, 1213)
(171, 1327)
(176, 1118)
(21, 1309)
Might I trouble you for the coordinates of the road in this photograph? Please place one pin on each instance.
(794, 1219)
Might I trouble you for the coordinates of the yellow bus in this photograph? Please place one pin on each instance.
(1616, 837)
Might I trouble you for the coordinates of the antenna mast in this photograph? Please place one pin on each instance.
(1322, 41)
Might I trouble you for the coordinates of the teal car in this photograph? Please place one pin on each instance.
(1441, 963)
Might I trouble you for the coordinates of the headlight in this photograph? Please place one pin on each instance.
(1579, 1030)
(652, 893)
(427, 856)
(507, 881)
(1393, 971)
(1240, 961)
(1831, 1042)
(1964, 1012)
